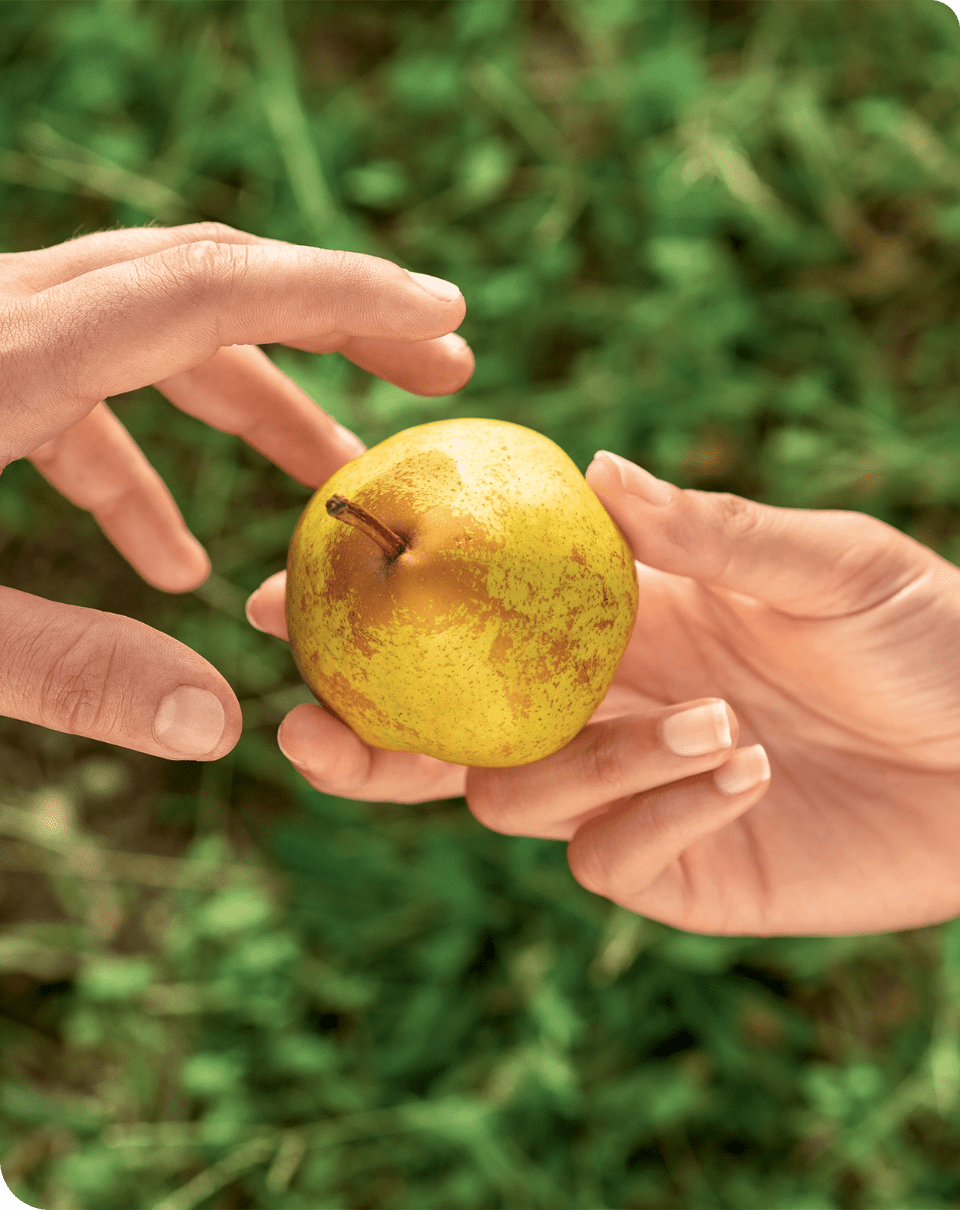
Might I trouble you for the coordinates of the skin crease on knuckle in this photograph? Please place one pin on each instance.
(210, 231)
(200, 277)
(367, 298)
(604, 755)
(739, 517)
(738, 520)
(600, 762)
(211, 267)
(79, 693)
(882, 560)
(195, 273)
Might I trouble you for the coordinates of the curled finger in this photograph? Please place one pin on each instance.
(98, 466)
(423, 367)
(643, 855)
(604, 764)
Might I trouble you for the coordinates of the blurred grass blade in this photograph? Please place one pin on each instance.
(277, 79)
(720, 239)
(83, 166)
(505, 95)
(205, 1184)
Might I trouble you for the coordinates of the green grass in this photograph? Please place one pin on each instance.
(720, 238)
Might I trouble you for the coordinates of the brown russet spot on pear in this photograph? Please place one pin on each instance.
(493, 635)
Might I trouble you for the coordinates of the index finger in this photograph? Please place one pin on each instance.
(126, 325)
(41, 268)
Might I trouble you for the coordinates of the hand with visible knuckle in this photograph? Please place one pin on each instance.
(779, 753)
(813, 790)
(182, 308)
(780, 749)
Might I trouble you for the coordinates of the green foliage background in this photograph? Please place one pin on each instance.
(720, 238)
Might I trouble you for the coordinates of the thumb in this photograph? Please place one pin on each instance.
(113, 679)
(802, 562)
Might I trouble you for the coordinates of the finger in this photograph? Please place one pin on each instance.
(266, 611)
(126, 325)
(45, 267)
(335, 761)
(98, 466)
(424, 367)
(266, 607)
(606, 763)
(805, 563)
(330, 756)
(644, 853)
(239, 390)
(112, 679)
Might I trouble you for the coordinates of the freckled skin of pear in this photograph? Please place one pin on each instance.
(491, 640)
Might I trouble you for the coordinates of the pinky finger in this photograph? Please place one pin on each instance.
(622, 853)
(98, 466)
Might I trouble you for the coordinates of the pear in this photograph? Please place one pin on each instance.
(459, 590)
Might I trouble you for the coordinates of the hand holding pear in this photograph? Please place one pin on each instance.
(475, 605)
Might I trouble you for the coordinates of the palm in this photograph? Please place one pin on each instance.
(860, 716)
(835, 640)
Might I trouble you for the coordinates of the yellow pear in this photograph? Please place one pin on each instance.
(459, 590)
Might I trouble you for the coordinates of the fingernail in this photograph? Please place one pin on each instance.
(634, 479)
(190, 721)
(248, 610)
(747, 768)
(446, 291)
(297, 764)
(697, 730)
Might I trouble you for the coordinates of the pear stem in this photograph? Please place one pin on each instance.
(352, 514)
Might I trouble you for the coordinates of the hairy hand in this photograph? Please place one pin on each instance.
(182, 308)
(828, 641)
